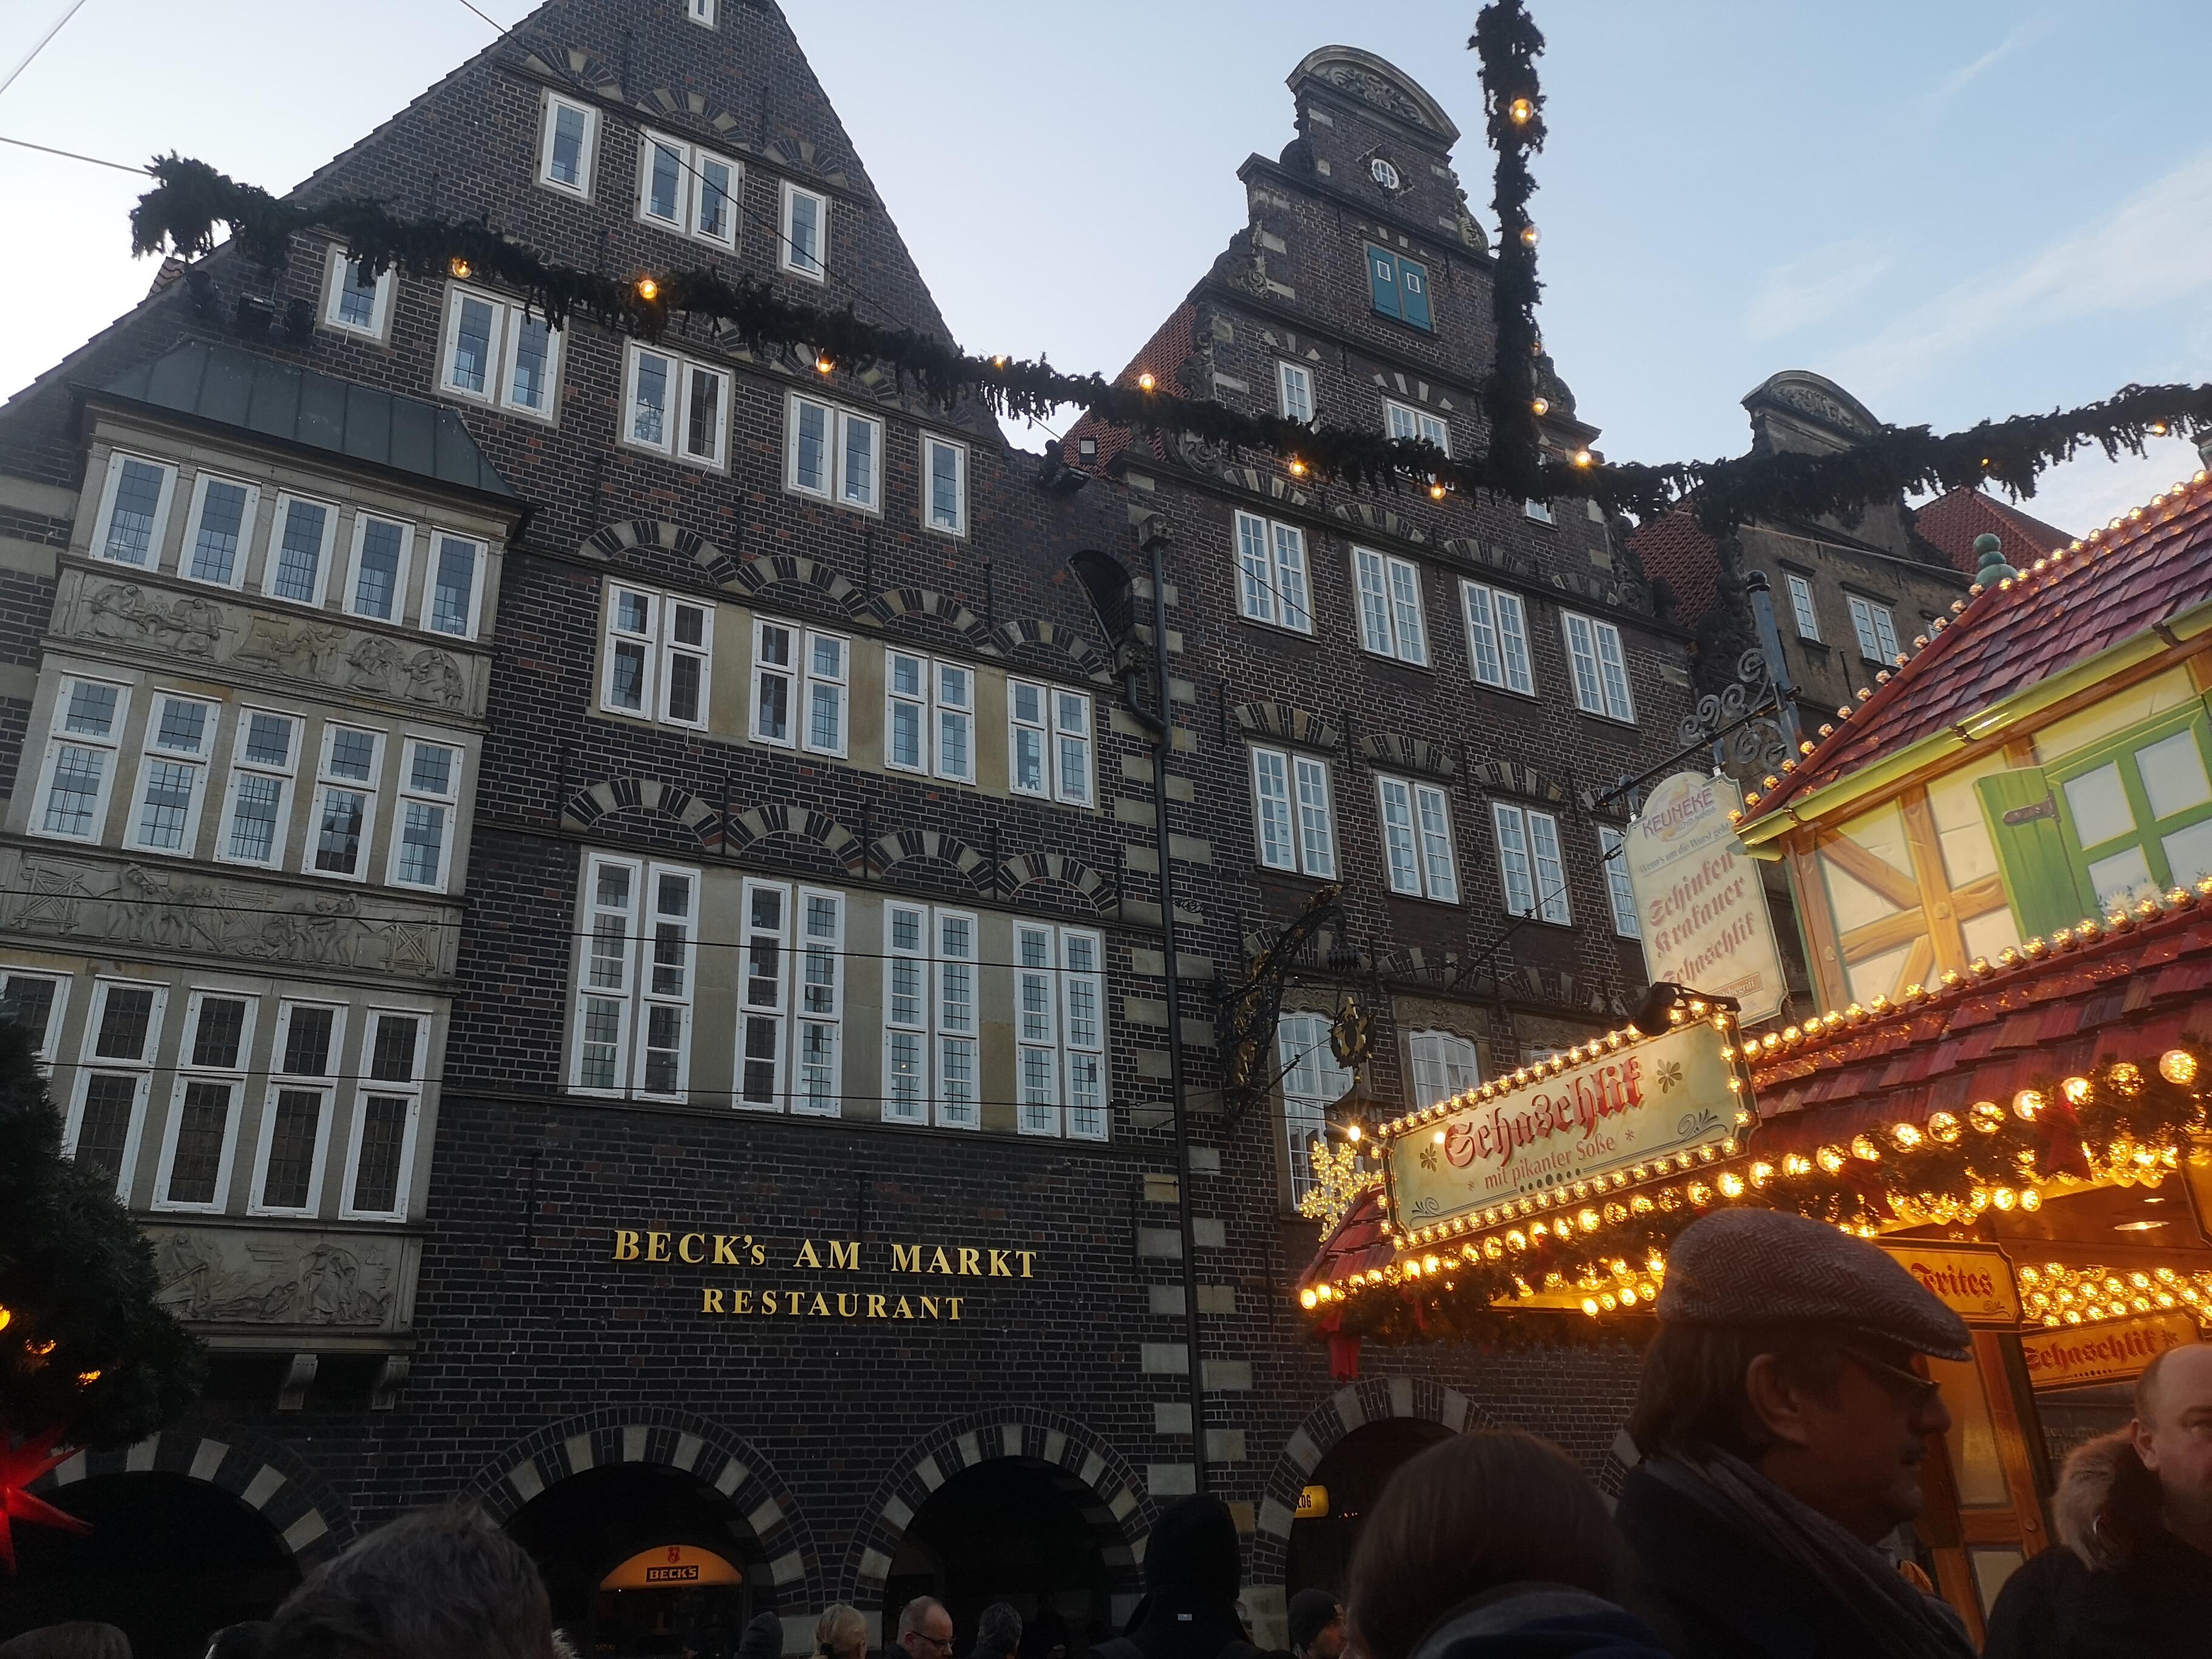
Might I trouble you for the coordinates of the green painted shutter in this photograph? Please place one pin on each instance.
(2041, 878)
(1413, 292)
(1383, 279)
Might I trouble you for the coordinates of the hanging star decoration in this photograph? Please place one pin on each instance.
(21, 1465)
(1339, 1179)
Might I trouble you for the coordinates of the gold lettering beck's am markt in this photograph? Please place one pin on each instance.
(646, 1246)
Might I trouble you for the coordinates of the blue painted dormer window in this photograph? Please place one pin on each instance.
(1398, 287)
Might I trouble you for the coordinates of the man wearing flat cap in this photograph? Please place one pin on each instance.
(1782, 1430)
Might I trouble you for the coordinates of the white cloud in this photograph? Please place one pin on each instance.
(2155, 248)
(2024, 33)
(1814, 288)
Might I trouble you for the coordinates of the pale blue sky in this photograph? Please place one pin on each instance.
(1955, 209)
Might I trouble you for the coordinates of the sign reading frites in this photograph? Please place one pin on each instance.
(1619, 1108)
(1698, 900)
(2075, 1356)
(1975, 1284)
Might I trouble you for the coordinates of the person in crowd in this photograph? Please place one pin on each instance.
(762, 1638)
(925, 1629)
(2133, 1512)
(1191, 1575)
(436, 1584)
(78, 1639)
(998, 1633)
(1782, 1430)
(1493, 1546)
(1317, 1625)
(244, 1641)
(840, 1633)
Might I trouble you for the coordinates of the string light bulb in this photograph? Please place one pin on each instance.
(1529, 236)
(1521, 110)
(461, 268)
(824, 364)
(1436, 492)
(1583, 457)
(2159, 428)
(647, 289)
(1145, 382)
(1540, 406)
(2177, 1066)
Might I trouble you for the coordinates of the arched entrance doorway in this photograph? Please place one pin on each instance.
(1351, 1474)
(641, 1558)
(1008, 1530)
(169, 1558)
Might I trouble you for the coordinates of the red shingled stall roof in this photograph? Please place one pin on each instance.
(2123, 583)
(1361, 1241)
(1952, 521)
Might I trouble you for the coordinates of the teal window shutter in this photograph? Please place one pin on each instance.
(1382, 280)
(1413, 292)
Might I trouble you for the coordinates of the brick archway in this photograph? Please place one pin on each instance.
(1107, 1490)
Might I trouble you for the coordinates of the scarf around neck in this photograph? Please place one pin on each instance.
(1906, 1624)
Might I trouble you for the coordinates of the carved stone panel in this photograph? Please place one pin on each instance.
(191, 627)
(235, 1275)
(185, 911)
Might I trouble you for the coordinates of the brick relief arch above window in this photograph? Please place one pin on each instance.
(892, 603)
(588, 805)
(1414, 754)
(1508, 777)
(913, 851)
(666, 107)
(1034, 636)
(614, 540)
(803, 155)
(1492, 555)
(570, 68)
(1049, 871)
(1288, 723)
(777, 820)
(751, 578)
(1618, 592)
(1381, 521)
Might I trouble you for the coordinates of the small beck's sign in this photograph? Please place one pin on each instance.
(1975, 1284)
(1620, 1109)
(2075, 1356)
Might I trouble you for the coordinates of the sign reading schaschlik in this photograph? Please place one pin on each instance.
(1620, 1109)
(1698, 900)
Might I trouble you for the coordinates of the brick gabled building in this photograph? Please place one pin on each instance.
(599, 896)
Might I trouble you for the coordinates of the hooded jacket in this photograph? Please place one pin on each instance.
(1191, 1575)
(1538, 1621)
(2118, 1584)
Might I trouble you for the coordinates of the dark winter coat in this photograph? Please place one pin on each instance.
(1538, 1621)
(1191, 1575)
(2117, 1583)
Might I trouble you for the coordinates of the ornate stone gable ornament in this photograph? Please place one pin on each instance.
(1380, 85)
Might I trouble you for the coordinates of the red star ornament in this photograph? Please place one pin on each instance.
(19, 1467)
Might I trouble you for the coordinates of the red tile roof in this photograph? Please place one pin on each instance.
(1951, 522)
(2121, 584)
(1674, 549)
(1162, 358)
(2127, 995)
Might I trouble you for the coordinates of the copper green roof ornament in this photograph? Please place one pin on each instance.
(1992, 569)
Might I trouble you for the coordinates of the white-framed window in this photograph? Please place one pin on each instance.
(656, 660)
(165, 813)
(82, 758)
(387, 1115)
(1294, 390)
(257, 806)
(803, 247)
(1614, 846)
(376, 582)
(219, 530)
(929, 716)
(1405, 421)
(1312, 1082)
(423, 830)
(930, 1025)
(1390, 623)
(1048, 743)
(635, 969)
(200, 1139)
(456, 583)
(36, 1002)
(499, 354)
(353, 300)
(790, 1001)
(107, 1107)
(1417, 839)
(944, 476)
(1290, 813)
(688, 190)
(1498, 637)
(1444, 1065)
(1601, 667)
(1271, 565)
(701, 12)
(801, 685)
(1060, 1032)
(1538, 512)
(675, 407)
(301, 535)
(134, 510)
(346, 801)
(568, 145)
(1382, 173)
(1801, 606)
(1530, 872)
(305, 1062)
(1876, 628)
(834, 454)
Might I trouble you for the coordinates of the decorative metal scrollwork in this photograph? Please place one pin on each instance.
(1742, 717)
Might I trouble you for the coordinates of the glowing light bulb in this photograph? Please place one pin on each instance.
(1522, 112)
(1541, 406)
(461, 268)
(1145, 382)
(647, 289)
(1528, 236)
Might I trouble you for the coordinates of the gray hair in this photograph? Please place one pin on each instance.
(917, 1610)
(999, 1631)
(841, 1628)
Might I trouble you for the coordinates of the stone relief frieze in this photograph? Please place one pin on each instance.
(1365, 83)
(182, 910)
(224, 1275)
(196, 628)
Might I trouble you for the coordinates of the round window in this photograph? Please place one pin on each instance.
(1385, 174)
